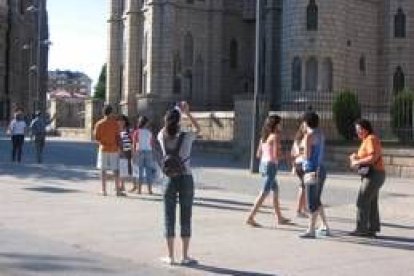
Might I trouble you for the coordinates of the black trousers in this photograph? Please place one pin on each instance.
(17, 141)
(368, 219)
(39, 142)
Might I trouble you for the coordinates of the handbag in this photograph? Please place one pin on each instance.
(364, 170)
(310, 178)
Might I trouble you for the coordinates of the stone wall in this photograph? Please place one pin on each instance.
(399, 162)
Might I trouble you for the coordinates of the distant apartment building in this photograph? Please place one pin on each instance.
(24, 47)
(70, 82)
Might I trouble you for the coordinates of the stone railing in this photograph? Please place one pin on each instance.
(215, 126)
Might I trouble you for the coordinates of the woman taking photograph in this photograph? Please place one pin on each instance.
(269, 151)
(176, 145)
(369, 163)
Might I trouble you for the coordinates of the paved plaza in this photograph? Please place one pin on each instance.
(53, 222)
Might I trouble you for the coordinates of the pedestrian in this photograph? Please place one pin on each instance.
(106, 132)
(143, 141)
(176, 148)
(17, 130)
(125, 150)
(314, 174)
(370, 165)
(297, 156)
(269, 151)
(38, 131)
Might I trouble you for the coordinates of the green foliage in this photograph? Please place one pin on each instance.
(402, 115)
(100, 87)
(346, 110)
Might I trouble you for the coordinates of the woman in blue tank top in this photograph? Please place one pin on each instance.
(315, 174)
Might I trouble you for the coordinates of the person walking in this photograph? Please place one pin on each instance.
(297, 156)
(106, 132)
(143, 141)
(269, 151)
(17, 130)
(38, 131)
(314, 174)
(369, 162)
(176, 146)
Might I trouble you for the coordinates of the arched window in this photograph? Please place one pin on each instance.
(362, 65)
(176, 74)
(312, 74)
(199, 94)
(312, 16)
(399, 80)
(399, 24)
(297, 74)
(327, 75)
(188, 50)
(234, 54)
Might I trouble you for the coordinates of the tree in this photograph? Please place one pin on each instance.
(100, 87)
(346, 111)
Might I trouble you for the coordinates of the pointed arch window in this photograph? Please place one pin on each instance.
(176, 74)
(327, 75)
(312, 74)
(399, 24)
(296, 74)
(312, 16)
(188, 50)
(362, 65)
(234, 54)
(399, 80)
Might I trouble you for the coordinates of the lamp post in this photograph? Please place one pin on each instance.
(258, 84)
(38, 10)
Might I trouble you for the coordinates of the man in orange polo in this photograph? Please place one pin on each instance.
(106, 132)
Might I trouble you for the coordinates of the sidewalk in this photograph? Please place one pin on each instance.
(54, 223)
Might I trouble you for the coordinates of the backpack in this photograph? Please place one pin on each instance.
(172, 164)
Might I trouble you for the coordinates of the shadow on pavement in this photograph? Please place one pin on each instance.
(227, 271)
(52, 190)
(391, 242)
(383, 224)
(49, 263)
(47, 172)
(213, 203)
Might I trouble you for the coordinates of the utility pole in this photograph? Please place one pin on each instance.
(258, 83)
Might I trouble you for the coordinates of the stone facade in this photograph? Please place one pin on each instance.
(74, 82)
(204, 51)
(23, 55)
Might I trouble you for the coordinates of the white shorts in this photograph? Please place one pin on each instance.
(108, 161)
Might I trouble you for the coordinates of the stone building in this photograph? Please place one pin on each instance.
(74, 82)
(203, 51)
(23, 55)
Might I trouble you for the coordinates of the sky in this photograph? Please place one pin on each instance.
(78, 33)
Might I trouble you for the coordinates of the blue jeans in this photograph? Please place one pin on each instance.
(146, 165)
(183, 187)
(269, 171)
(314, 191)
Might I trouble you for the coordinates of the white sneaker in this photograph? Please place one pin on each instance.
(167, 260)
(323, 231)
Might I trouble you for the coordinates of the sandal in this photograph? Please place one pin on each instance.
(253, 223)
(283, 221)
